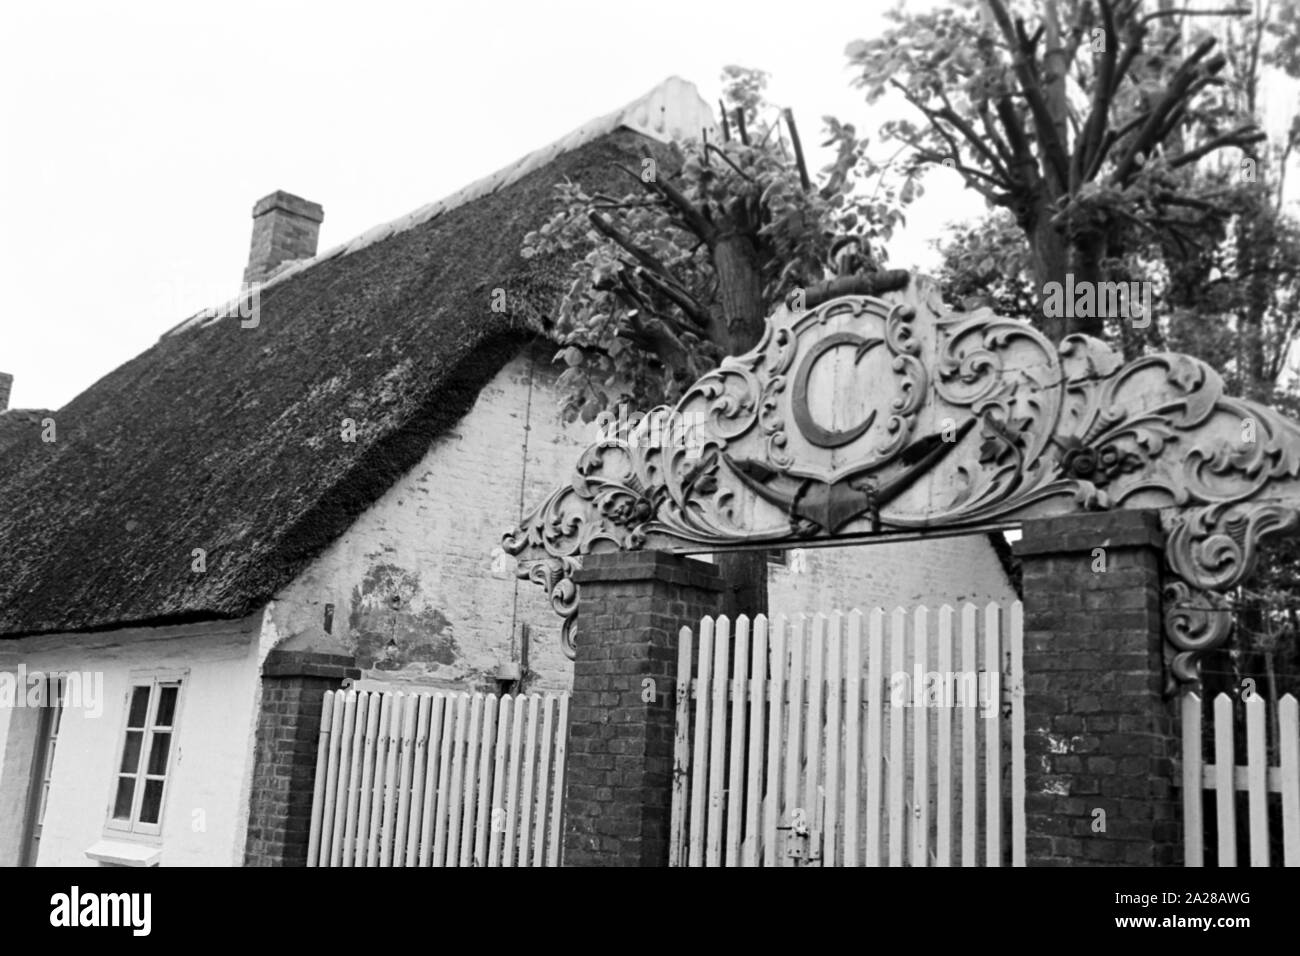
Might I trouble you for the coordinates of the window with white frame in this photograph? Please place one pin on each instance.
(140, 784)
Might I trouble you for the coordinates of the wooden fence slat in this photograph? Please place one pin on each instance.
(407, 746)
(1257, 778)
(793, 804)
(393, 740)
(378, 791)
(473, 770)
(753, 826)
(334, 769)
(497, 821)
(540, 845)
(454, 711)
(1193, 793)
(318, 793)
(1017, 639)
(969, 746)
(419, 755)
(852, 737)
(1225, 791)
(812, 800)
(992, 722)
(682, 769)
(483, 796)
(700, 763)
(736, 769)
(557, 809)
(1288, 722)
(513, 768)
(897, 728)
(431, 778)
(365, 806)
(457, 780)
(354, 777)
(920, 738)
(834, 731)
(874, 745)
(528, 795)
(337, 833)
(943, 757)
(772, 808)
(718, 743)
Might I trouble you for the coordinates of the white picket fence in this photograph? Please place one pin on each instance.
(823, 760)
(1225, 776)
(438, 780)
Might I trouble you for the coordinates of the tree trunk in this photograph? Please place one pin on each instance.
(745, 574)
(1085, 263)
(740, 288)
(1048, 261)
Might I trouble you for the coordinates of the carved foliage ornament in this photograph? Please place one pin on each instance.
(867, 416)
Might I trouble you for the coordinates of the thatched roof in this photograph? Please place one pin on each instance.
(227, 438)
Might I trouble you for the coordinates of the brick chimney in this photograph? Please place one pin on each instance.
(285, 228)
(6, 385)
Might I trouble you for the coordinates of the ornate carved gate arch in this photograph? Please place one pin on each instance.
(866, 418)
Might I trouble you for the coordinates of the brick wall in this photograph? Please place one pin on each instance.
(1100, 741)
(284, 753)
(620, 759)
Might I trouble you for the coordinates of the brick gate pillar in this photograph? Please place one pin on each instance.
(619, 774)
(1099, 739)
(284, 752)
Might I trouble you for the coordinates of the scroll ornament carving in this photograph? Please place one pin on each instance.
(865, 416)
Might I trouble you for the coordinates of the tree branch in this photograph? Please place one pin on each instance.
(1242, 136)
(1054, 156)
(680, 298)
(788, 115)
(949, 115)
(1094, 131)
(710, 148)
(1187, 12)
(1182, 79)
(695, 220)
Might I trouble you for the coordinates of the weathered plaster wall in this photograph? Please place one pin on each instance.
(205, 810)
(944, 571)
(421, 593)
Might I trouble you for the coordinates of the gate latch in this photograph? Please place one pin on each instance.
(801, 841)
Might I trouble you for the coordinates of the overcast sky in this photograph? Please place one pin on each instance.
(138, 135)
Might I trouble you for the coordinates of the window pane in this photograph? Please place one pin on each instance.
(158, 753)
(139, 707)
(131, 752)
(152, 804)
(125, 793)
(166, 706)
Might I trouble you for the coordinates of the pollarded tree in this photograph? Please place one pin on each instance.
(1082, 118)
(1230, 297)
(683, 268)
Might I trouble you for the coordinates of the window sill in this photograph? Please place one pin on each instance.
(121, 853)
